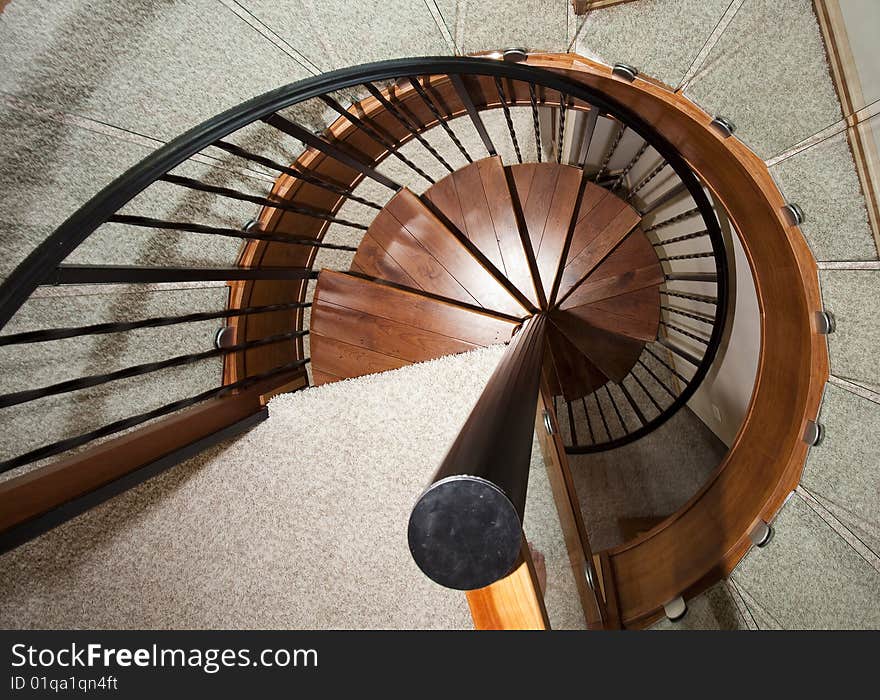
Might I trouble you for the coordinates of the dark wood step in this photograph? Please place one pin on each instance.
(408, 242)
(361, 326)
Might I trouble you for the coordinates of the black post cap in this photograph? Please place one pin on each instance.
(464, 533)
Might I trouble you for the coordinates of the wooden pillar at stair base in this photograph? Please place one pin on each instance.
(570, 517)
(465, 530)
(514, 602)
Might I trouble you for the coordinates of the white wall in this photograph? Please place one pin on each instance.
(723, 398)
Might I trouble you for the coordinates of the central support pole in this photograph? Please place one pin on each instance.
(465, 531)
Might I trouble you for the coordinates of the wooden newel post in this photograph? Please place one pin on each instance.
(465, 530)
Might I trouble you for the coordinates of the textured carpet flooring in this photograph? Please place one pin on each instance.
(301, 523)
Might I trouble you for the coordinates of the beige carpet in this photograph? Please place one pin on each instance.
(301, 523)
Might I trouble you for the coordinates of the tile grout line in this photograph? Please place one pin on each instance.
(859, 547)
(841, 126)
(741, 605)
(720, 27)
(437, 16)
(750, 602)
(849, 265)
(855, 388)
(267, 33)
(119, 133)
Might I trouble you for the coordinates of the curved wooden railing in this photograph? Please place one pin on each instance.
(707, 537)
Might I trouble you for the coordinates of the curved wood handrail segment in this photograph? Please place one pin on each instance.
(708, 536)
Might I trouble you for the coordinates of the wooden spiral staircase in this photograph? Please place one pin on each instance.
(562, 255)
(484, 247)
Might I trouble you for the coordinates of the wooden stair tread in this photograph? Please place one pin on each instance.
(631, 266)
(547, 195)
(597, 234)
(577, 376)
(613, 354)
(433, 257)
(638, 328)
(635, 314)
(477, 200)
(337, 359)
(361, 326)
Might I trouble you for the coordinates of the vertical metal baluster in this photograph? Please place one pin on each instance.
(574, 435)
(535, 121)
(657, 379)
(602, 414)
(669, 367)
(589, 422)
(632, 403)
(650, 176)
(465, 97)
(373, 133)
(429, 103)
(674, 219)
(610, 154)
(589, 130)
(629, 166)
(666, 197)
(407, 124)
(560, 141)
(307, 137)
(616, 409)
(508, 118)
(647, 393)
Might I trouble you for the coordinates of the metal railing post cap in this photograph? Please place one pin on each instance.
(625, 71)
(464, 532)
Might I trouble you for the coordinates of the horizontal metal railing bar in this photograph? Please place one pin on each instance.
(253, 234)
(193, 184)
(19, 397)
(293, 172)
(678, 329)
(155, 322)
(335, 151)
(692, 277)
(679, 239)
(683, 354)
(688, 314)
(61, 446)
(702, 298)
(134, 274)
